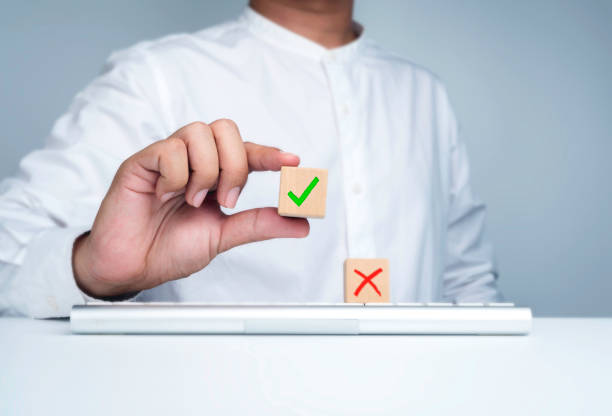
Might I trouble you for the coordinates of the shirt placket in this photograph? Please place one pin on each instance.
(352, 152)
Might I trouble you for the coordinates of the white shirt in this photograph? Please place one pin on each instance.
(383, 127)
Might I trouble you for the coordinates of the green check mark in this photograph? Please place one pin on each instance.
(299, 201)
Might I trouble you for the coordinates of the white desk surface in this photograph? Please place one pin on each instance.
(563, 368)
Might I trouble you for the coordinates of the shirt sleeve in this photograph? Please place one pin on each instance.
(470, 273)
(56, 193)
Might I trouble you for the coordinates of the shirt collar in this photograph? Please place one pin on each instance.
(286, 39)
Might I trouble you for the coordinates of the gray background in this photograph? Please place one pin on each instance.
(530, 80)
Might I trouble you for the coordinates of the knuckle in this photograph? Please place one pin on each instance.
(174, 144)
(128, 165)
(225, 124)
(198, 128)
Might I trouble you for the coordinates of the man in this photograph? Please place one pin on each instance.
(180, 123)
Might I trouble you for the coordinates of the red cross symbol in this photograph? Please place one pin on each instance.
(366, 280)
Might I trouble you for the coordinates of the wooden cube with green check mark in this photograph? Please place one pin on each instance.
(303, 192)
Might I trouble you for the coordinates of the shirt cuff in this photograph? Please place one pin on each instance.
(48, 268)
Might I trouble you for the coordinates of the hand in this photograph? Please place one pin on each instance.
(161, 220)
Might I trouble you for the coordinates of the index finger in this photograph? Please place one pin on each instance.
(262, 158)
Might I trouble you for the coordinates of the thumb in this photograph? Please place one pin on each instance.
(257, 225)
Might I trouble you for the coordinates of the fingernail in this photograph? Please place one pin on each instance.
(168, 196)
(232, 197)
(288, 153)
(199, 198)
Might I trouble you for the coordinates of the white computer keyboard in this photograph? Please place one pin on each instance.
(302, 318)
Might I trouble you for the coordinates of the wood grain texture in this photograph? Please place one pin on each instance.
(353, 281)
(297, 180)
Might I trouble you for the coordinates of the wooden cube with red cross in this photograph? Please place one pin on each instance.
(366, 280)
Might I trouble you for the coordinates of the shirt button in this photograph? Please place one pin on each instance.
(345, 110)
(357, 189)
